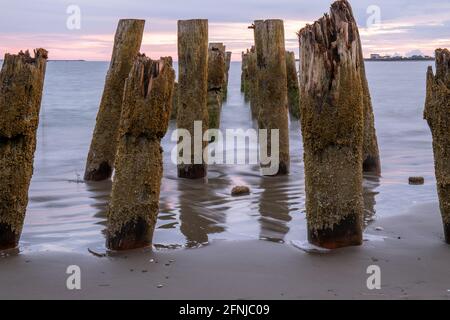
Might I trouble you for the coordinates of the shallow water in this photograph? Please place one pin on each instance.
(66, 214)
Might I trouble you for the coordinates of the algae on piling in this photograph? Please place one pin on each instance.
(216, 83)
(437, 114)
(332, 120)
(271, 87)
(102, 152)
(193, 90)
(21, 86)
(147, 105)
(292, 83)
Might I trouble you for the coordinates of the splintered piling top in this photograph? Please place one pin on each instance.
(21, 81)
(443, 65)
(149, 114)
(330, 77)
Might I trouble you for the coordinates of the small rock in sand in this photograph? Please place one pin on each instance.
(416, 180)
(379, 229)
(160, 286)
(240, 191)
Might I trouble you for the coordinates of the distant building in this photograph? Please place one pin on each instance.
(375, 56)
(397, 57)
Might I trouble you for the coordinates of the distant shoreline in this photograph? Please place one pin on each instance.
(69, 60)
(399, 59)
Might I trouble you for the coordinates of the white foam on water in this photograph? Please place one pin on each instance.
(372, 237)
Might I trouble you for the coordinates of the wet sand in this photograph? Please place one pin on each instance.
(410, 251)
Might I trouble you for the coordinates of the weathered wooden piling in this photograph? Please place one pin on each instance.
(21, 85)
(252, 88)
(292, 83)
(147, 104)
(272, 85)
(173, 114)
(227, 74)
(192, 89)
(102, 152)
(371, 155)
(332, 120)
(246, 76)
(437, 114)
(243, 70)
(216, 83)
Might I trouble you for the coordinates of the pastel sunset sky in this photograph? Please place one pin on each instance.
(405, 27)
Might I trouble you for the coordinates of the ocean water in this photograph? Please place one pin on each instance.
(66, 214)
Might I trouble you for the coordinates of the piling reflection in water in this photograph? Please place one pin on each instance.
(199, 218)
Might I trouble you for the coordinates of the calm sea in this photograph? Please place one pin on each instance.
(66, 214)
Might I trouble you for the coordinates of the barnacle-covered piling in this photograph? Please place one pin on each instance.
(192, 90)
(173, 114)
(102, 152)
(292, 83)
(371, 155)
(252, 89)
(227, 74)
(147, 104)
(243, 70)
(332, 119)
(216, 82)
(271, 83)
(437, 114)
(21, 85)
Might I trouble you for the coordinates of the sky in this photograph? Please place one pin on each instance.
(84, 29)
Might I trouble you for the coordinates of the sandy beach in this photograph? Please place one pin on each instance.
(410, 251)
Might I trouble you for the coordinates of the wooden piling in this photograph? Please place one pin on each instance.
(332, 119)
(21, 85)
(272, 85)
(102, 152)
(243, 70)
(252, 88)
(371, 154)
(173, 114)
(437, 114)
(192, 89)
(216, 83)
(227, 74)
(147, 105)
(292, 83)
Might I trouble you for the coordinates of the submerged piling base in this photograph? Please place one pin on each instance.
(134, 234)
(192, 171)
(347, 233)
(8, 238)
